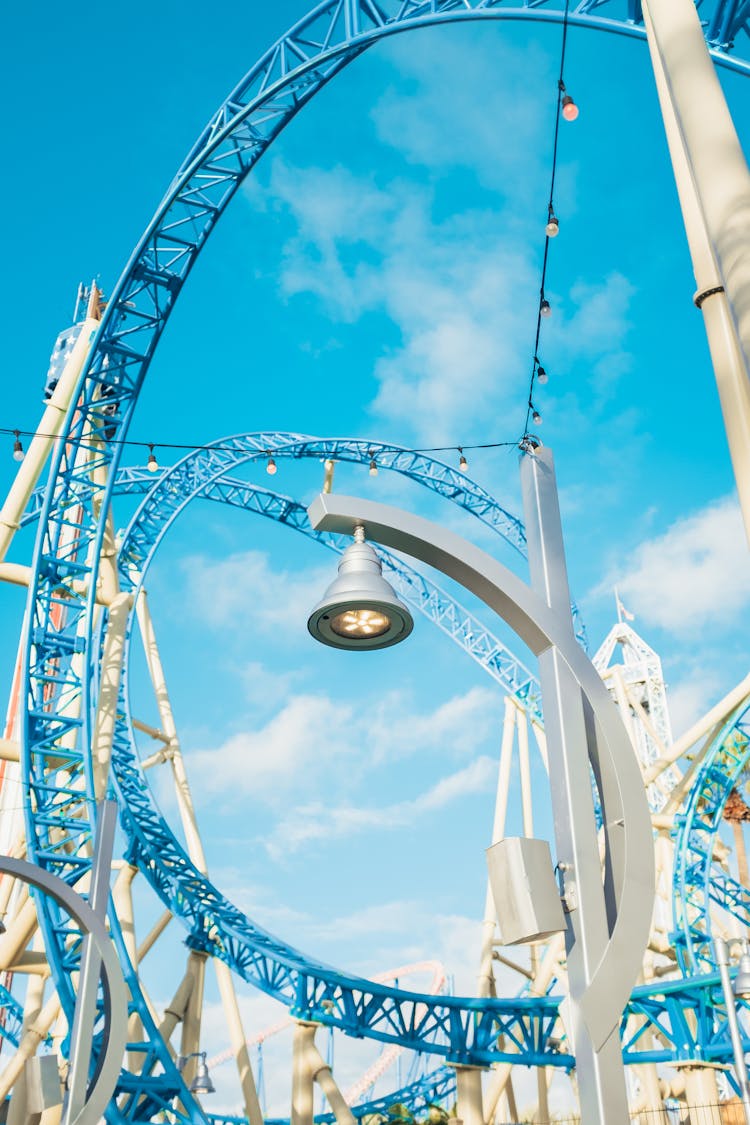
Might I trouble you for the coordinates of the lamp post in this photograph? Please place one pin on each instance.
(606, 926)
(741, 988)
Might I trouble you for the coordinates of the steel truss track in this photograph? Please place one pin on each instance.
(59, 693)
(449, 1027)
(698, 881)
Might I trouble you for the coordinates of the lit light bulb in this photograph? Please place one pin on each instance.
(541, 374)
(152, 464)
(271, 466)
(553, 225)
(17, 447)
(569, 108)
(463, 464)
(537, 418)
(545, 308)
(373, 467)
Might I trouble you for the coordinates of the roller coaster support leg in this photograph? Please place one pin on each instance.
(469, 1107)
(486, 982)
(191, 1023)
(239, 1044)
(109, 692)
(713, 183)
(17, 1113)
(302, 1079)
(308, 1067)
(702, 1092)
(49, 427)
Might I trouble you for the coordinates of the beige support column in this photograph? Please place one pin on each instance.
(701, 1092)
(190, 1042)
(17, 1112)
(469, 1106)
(109, 691)
(175, 1012)
(486, 980)
(50, 425)
(28, 1046)
(321, 1073)
(18, 935)
(302, 1079)
(238, 1043)
(713, 183)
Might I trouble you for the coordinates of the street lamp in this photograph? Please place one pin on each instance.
(360, 610)
(202, 1083)
(606, 926)
(741, 990)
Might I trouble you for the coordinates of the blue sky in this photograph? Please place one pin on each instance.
(379, 277)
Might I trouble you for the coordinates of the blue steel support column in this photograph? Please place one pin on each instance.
(601, 1075)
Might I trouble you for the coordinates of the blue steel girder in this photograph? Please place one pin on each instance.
(697, 883)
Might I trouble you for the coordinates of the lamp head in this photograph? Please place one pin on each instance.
(360, 610)
(202, 1083)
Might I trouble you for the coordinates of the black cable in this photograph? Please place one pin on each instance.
(550, 211)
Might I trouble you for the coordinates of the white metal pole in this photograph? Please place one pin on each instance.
(721, 957)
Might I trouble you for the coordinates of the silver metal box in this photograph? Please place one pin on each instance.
(43, 1090)
(524, 889)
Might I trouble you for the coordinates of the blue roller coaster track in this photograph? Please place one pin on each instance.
(60, 652)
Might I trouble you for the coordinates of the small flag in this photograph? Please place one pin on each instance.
(622, 613)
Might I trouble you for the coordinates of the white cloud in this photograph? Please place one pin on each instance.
(275, 759)
(455, 104)
(244, 590)
(689, 576)
(318, 821)
(294, 750)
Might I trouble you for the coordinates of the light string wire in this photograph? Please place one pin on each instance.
(550, 211)
(197, 446)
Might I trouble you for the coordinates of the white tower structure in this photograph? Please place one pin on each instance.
(632, 672)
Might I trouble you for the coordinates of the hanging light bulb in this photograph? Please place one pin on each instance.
(537, 418)
(545, 309)
(17, 447)
(152, 464)
(553, 225)
(373, 465)
(541, 375)
(271, 466)
(569, 107)
(463, 464)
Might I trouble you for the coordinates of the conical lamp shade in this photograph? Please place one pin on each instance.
(360, 610)
(202, 1083)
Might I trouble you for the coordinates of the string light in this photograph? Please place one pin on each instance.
(568, 111)
(217, 447)
(569, 108)
(373, 464)
(271, 466)
(17, 446)
(463, 464)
